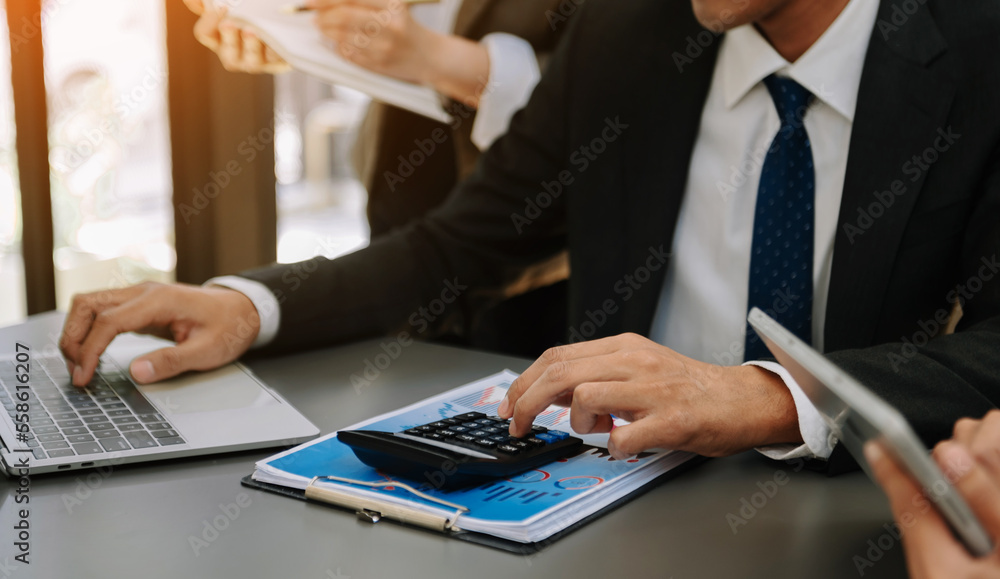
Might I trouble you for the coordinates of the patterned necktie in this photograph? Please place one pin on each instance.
(781, 258)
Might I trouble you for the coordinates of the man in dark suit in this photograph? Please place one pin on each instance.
(645, 120)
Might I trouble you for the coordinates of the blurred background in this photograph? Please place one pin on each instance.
(138, 186)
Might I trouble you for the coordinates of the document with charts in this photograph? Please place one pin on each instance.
(527, 508)
(296, 39)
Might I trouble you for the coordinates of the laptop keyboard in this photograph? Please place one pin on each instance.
(108, 415)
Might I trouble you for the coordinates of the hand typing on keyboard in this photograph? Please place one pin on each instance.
(212, 327)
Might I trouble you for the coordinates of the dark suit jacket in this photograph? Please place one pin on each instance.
(638, 66)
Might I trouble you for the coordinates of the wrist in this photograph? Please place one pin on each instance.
(775, 420)
(456, 67)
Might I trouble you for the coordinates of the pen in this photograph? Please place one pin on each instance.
(297, 8)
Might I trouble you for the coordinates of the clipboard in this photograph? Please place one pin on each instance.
(367, 511)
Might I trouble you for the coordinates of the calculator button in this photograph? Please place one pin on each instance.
(535, 442)
(552, 436)
(520, 444)
(424, 428)
(537, 429)
(508, 449)
(465, 438)
(445, 433)
(470, 416)
(458, 429)
(433, 436)
(451, 421)
(471, 425)
(479, 433)
(413, 432)
(491, 430)
(485, 443)
(439, 424)
(501, 438)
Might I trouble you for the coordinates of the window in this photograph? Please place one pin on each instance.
(12, 305)
(106, 79)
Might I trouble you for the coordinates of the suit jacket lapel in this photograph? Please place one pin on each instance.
(468, 14)
(902, 103)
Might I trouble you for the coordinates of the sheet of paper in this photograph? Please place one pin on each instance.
(296, 39)
(526, 508)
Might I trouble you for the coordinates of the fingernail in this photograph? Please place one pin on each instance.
(513, 427)
(955, 461)
(504, 407)
(142, 371)
(78, 376)
(873, 453)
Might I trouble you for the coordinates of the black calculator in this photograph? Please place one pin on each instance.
(463, 450)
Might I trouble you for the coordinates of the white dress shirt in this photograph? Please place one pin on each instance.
(703, 304)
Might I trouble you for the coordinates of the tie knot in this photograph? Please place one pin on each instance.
(790, 98)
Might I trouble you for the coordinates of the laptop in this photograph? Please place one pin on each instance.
(116, 421)
(857, 415)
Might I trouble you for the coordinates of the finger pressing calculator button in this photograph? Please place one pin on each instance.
(508, 449)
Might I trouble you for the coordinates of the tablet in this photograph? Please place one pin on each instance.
(856, 415)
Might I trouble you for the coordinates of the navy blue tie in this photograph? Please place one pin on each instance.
(781, 257)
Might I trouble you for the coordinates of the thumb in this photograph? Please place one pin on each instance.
(169, 362)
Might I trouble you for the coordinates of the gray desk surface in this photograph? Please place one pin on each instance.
(138, 520)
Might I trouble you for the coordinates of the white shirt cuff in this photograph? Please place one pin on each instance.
(819, 439)
(514, 73)
(267, 305)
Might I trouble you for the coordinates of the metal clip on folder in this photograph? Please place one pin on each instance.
(373, 510)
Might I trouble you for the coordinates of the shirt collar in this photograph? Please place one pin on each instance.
(830, 69)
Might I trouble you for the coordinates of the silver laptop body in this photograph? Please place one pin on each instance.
(46, 424)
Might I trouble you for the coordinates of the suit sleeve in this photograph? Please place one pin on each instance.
(949, 377)
(422, 279)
